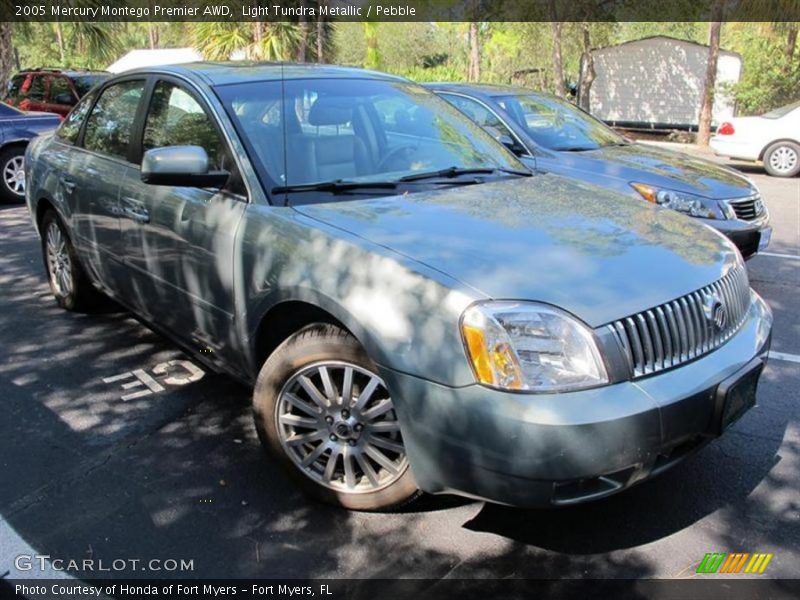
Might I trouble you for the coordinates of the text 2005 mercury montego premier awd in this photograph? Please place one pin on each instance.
(414, 309)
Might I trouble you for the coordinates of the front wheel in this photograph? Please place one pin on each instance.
(782, 159)
(321, 408)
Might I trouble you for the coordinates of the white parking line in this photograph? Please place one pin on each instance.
(795, 358)
(773, 255)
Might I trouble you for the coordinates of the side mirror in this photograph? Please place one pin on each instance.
(505, 139)
(180, 166)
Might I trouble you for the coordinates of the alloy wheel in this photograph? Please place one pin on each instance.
(14, 175)
(337, 423)
(58, 260)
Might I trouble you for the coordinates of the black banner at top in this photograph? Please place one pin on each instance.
(400, 10)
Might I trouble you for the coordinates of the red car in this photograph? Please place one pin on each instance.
(50, 90)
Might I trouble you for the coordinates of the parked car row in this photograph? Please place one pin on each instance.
(553, 135)
(415, 308)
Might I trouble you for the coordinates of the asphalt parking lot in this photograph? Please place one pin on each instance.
(174, 470)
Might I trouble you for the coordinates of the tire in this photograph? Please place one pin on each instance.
(782, 159)
(12, 174)
(68, 282)
(305, 424)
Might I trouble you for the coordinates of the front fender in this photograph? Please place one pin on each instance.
(405, 315)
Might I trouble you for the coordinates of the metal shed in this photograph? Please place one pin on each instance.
(657, 82)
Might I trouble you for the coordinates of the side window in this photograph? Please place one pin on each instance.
(175, 118)
(36, 89)
(68, 132)
(60, 92)
(110, 124)
(15, 87)
(478, 113)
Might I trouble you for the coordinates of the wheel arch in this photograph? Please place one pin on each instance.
(290, 314)
(772, 143)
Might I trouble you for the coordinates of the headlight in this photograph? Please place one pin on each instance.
(528, 346)
(695, 206)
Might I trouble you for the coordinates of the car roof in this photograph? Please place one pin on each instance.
(486, 90)
(232, 72)
(67, 72)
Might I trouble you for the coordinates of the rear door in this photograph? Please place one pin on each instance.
(98, 165)
(60, 97)
(179, 241)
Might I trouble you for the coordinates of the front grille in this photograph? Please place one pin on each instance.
(681, 330)
(748, 209)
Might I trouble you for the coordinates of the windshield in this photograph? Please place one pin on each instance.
(558, 125)
(355, 130)
(84, 83)
(782, 111)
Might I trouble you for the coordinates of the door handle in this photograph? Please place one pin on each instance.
(69, 184)
(135, 210)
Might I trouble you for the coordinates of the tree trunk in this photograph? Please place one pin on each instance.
(60, 41)
(373, 60)
(6, 51)
(791, 44)
(152, 32)
(321, 33)
(474, 69)
(302, 44)
(707, 103)
(587, 69)
(558, 64)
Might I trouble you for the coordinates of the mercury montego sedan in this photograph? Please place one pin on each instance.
(553, 135)
(414, 309)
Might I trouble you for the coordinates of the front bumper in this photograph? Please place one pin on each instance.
(749, 236)
(549, 449)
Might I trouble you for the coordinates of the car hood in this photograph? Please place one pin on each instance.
(662, 168)
(594, 253)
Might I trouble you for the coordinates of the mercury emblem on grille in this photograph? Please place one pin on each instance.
(715, 310)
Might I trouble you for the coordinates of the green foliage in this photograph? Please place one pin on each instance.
(769, 79)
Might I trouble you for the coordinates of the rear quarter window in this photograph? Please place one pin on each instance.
(71, 127)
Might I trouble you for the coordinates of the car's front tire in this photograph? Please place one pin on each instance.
(321, 408)
(782, 159)
(12, 174)
(68, 282)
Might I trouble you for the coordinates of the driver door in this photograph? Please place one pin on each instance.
(179, 241)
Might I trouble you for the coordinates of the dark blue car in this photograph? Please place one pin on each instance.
(17, 128)
(550, 134)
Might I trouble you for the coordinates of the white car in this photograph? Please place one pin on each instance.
(773, 137)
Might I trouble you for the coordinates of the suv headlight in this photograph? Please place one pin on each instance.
(529, 346)
(690, 204)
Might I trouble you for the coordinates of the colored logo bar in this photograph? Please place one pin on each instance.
(737, 562)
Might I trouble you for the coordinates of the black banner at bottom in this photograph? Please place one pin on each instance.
(394, 589)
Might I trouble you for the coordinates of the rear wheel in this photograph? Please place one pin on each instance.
(68, 282)
(12, 174)
(321, 408)
(782, 159)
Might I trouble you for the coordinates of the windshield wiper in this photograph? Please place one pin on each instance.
(451, 172)
(336, 186)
